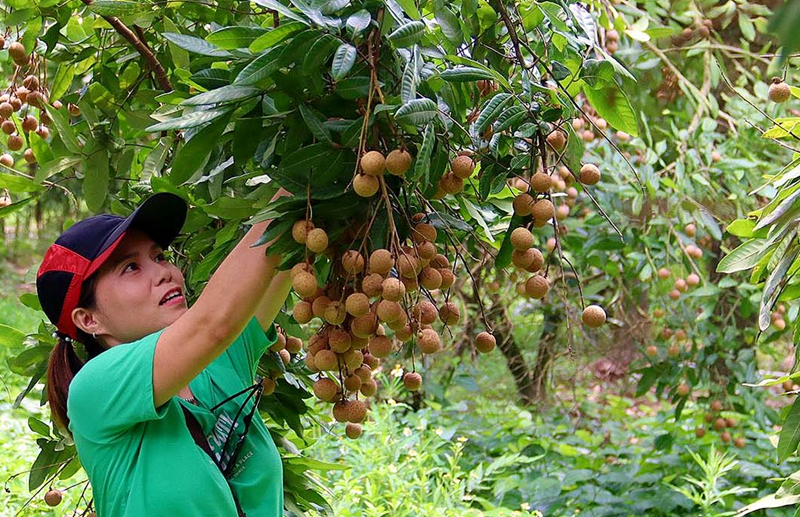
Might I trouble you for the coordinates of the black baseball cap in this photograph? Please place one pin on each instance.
(87, 244)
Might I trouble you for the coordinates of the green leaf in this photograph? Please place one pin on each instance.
(408, 84)
(229, 38)
(423, 162)
(343, 61)
(180, 57)
(772, 284)
(318, 53)
(15, 207)
(16, 183)
(11, 337)
(95, 181)
(315, 125)
(410, 8)
(63, 80)
(260, 68)
(195, 45)
(228, 93)
(449, 25)
(407, 34)
(742, 228)
(417, 112)
(230, 208)
(463, 74)
(503, 258)
(276, 35)
(358, 21)
(783, 207)
(790, 434)
(38, 427)
(512, 116)
(193, 119)
(195, 153)
(119, 7)
(282, 9)
(744, 257)
(491, 111)
(612, 104)
(353, 87)
(64, 130)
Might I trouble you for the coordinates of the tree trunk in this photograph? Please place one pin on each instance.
(523, 377)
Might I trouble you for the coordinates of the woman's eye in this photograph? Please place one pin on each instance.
(161, 256)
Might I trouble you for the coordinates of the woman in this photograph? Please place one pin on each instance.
(148, 410)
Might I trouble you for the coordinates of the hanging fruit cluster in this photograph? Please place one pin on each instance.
(23, 103)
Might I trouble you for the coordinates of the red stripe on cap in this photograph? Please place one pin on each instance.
(96, 263)
(59, 258)
(65, 323)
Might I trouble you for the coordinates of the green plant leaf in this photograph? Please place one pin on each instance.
(64, 130)
(16, 183)
(230, 38)
(195, 45)
(491, 111)
(463, 74)
(612, 104)
(772, 284)
(260, 68)
(195, 153)
(282, 9)
(343, 61)
(315, 125)
(11, 337)
(16, 206)
(318, 53)
(358, 21)
(790, 433)
(407, 34)
(228, 93)
(744, 257)
(417, 112)
(119, 7)
(196, 118)
(95, 181)
(423, 163)
(276, 35)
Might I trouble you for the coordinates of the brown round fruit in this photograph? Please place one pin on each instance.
(357, 304)
(463, 167)
(523, 203)
(726, 437)
(540, 182)
(29, 156)
(720, 424)
(779, 91)
(317, 240)
(543, 210)
(365, 185)
(380, 262)
(29, 123)
(14, 143)
(353, 262)
(537, 287)
(17, 53)
(429, 341)
(31, 82)
(412, 381)
(304, 284)
(53, 497)
(373, 163)
(739, 442)
(353, 430)
(663, 273)
(557, 139)
(699, 432)
(485, 342)
(692, 280)
(683, 390)
(590, 174)
(398, 162)
(300, 230)
(269, 386)
(521, 239)
(651, 351)
(451, 183)
(449, 313)
(381, 346)
(716, 405)
(594, 316)
(7, 160)
(8, 127)
(302, 312)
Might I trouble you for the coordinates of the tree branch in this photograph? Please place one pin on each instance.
(141, 47)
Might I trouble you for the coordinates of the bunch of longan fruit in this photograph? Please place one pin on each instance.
(372, 301)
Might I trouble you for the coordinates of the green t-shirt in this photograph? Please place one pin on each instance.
(142, 460)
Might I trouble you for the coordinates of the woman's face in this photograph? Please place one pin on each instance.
(131, 290)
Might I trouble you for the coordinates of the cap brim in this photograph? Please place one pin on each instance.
(161, 217)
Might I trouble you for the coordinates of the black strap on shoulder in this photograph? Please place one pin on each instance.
(200, 440)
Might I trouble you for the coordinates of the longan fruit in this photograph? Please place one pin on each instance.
(300, 230)
(425, 312)
(590, 174)
(693, 280)
(521, 239)
(451, 183)
(8, 127)
(304, 284)
(683, 389)
(31, 82)
(690, 230)
(302, 312)
(393, 289)
(779, 324)
(674, 294)
(428, 341)
(537, 262)
(317, 240)
(381, 346)
(779, 91)
(550, 245)
(463, 166)
(449, 313)
(543, 210)
(485, 342)
(17, 52)
(364, 372)
(373, 163)
(353, 430)
(389, 311)
(716, 156)
(380, 262)
(353, 262)
(352, 383)
(716, 405)
(357, 304)
(593, 316)
(540, 182)
(673, 350)
(739, 442)
(7, 160)
(372, 285)
(364, 326)
(448, 278)
(408, 266)
(341, 410)
(423, 232)
(427, 250)
(562, 212)
(369, 388)
(557, 139)
(522, 204)
(536, 287)
(523, 259)
(326, 360)
(29, 156)
(335, 313)
(294, 344)
(43, 132)
(29, 123)
(398, 162)
(651, 351)
(430, 278)
(725, 437)
(680, 285)
(365, 185)
(412, 381)
(52, 497)
(699, 432)
(663, 273)
(319, 305)
(269, 385)
(440, 261)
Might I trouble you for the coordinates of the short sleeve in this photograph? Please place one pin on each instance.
(251, 344)
(114, 391)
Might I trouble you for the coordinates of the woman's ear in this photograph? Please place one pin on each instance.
(86, 320)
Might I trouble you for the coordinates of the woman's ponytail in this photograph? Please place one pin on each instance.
(64, 363)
